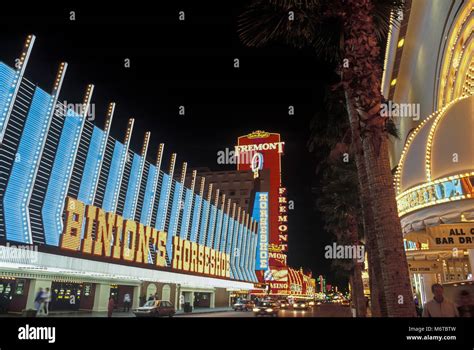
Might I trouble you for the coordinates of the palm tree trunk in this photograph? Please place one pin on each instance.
(358, 296)
(377, 303)
(396, 280)
(378, 307)
(362, 82)
(358, 286)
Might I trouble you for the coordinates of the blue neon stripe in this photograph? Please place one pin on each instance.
(114, 176)
(243, 253)
(61, 172)
(15, 202)
(224, 233)
(217, 238)
(195, 223)
(252, 259)
(240, 251)
(228, 247)
(7, 77)
(132, 188)
(186, 211)
(248, 254)
(212, 226)
(234, 250)
(174, 217)
(145, 216)
(174, 209)
(161, 206)
(91, 168)
(205, 213)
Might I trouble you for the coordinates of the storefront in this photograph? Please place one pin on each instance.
(435, 200)
(65, 296)
(430, 81)
(13, 293)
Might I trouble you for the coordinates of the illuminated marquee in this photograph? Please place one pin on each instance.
(270, 146)
(260, 147)
(439, 191)
(194, 257)
(283, 219)
(109, 235)
(260, 213)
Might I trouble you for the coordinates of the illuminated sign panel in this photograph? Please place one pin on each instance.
(109, 235)
(194, 257)
(260, 213)
(439, 191)
(283, 220)
(270, 149)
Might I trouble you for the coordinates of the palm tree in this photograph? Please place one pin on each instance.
(340, 204)
(329, 136)
(349, 33)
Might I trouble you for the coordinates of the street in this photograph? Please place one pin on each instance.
(327, 310)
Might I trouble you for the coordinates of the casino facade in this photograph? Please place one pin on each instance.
(430, 64)
(84, 215)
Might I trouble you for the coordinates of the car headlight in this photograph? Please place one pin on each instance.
(269, 310)
(256, 310)
(303, 305)
(295, 305)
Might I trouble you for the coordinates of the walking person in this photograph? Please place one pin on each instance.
(110, 306)
(439, 306)
(46, 297)
(38, 300)
(126, 302)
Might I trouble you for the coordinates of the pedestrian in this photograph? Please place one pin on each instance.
(439, 306)
(466, 307)
(46, 297)
(110, 306)
(38, 300)
(151, 297)
(126, 302)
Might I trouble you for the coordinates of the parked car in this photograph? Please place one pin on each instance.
(266, 308)
(284, 304)
(240, 305)
(300, 305)
(155, 308)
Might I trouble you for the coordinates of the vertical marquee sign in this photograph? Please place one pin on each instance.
(260, 214)
(262, 150)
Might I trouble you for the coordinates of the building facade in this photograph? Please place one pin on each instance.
(84, 215)
(429, 80)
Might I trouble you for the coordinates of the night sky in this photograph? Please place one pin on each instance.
(186, 63)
